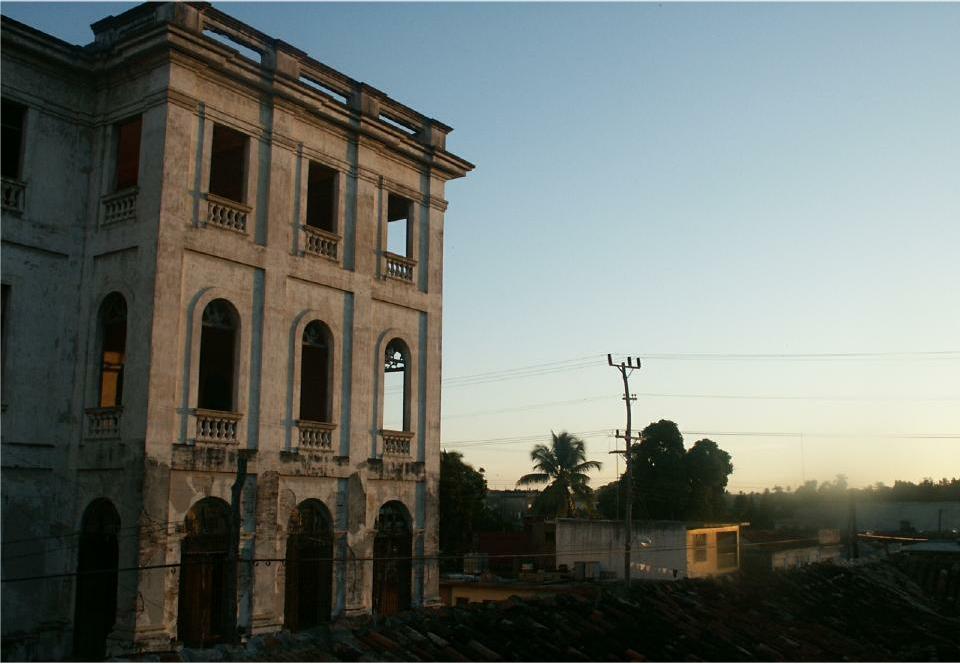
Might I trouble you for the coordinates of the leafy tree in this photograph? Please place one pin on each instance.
(707, 468)
(660, 486)
(611, 499)
(564, 465)
(461, 505)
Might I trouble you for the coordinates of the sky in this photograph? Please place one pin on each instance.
(688, 184)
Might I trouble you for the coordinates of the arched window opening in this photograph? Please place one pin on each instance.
(204, 613)
(392, 560)
(396, 411)
(218, 339)
(309, 567)
(315, 373)
(113, 348)
(98, 559)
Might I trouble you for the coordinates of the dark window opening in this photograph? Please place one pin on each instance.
(4, 334)
(395, 392)
(315, 373)
(113, 348)
(700, 548)
(321, 197)
(309, 567)
(217, 356)
(98, 557)
(128, 153)
(204, 607)
(398, 225)
(228, 166)
(392, 564)
(12, 116)
(726, 550)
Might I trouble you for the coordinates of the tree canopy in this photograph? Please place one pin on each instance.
(564, 466)
(462, 510)
(669, 481)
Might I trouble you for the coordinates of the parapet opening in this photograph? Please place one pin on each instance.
(243, 49)
(324, 89)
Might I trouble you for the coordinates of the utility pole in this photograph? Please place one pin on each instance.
(854, 542)
(626, 368)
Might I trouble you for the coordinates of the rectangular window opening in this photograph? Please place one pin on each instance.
(228, 162)
(242, 49)
(700, 548)
(726, 550)
(128, 153)
(398, 225)
(321, 197)
(320, 87)
(12, 116)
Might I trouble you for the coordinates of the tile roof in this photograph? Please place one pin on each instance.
(866, 612)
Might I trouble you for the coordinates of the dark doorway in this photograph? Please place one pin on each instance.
(97, 563)
(309, 582)
(218, 356)
(392, 560)
(204, 606)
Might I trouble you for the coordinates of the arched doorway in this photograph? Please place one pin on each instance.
(97, 563)
(204, 612)
(392, 560)
(309, 580)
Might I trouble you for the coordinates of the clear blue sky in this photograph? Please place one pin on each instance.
(681, 178)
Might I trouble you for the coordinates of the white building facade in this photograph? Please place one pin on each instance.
(221, 338)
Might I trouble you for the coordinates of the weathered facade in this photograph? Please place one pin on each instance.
(221, 338)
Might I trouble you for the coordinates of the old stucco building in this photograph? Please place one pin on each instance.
(221, 338)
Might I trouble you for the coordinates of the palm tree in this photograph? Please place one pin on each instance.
(563, 465)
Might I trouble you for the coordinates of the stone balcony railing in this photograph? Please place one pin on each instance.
(399, 267)
(320, 242)
(13, 194)
(224, 213)
(103, 423)
(315, 435)
(217, 426)
(396, 443)
(119, 207)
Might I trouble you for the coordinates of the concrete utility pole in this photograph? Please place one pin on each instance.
(236, 492)
(854, 541)
(626, 368)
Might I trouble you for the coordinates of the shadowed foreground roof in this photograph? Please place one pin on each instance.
(870, 612)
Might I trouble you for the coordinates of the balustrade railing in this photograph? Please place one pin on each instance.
(215, 426)
(103, 423)
(227, 214)
(320, 243)
(399, 267)
(13, 194)
(396, 443)
(315, 435)
(119, 207)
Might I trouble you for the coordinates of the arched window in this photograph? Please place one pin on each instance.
(396, 392)
(392, 560)
(113, 346)
(315, 373)
(204, 602)
(218, 339)
(98, 559)
(309, 568)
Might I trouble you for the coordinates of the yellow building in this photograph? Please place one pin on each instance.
(713, 549)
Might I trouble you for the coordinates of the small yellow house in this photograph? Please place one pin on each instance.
(713, 549)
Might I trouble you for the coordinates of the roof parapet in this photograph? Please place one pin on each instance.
(278, 57)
